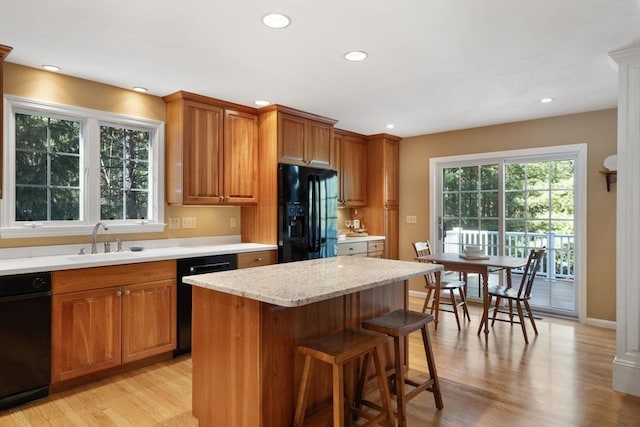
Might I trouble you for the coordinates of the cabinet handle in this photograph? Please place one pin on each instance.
(118, 293)
(258, 259)
(350, 249)
(127, 292)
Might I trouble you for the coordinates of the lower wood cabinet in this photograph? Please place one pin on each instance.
(256, 259)
(98, 324)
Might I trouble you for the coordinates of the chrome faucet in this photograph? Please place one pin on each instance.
(94, 248)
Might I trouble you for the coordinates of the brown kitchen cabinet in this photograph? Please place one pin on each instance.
(123, 313)
(211, 151)
(305, 142)
(351, 162)
(4, 52)
(381, 213)
(257, 259)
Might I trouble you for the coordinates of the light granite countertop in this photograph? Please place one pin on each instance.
(65, 257)
(304, 282)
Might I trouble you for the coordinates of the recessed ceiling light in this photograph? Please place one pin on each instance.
(140, 89)
(261, 102)
(356, 55)
(276, 20)
(546, 100)
(51, 67)
(390, 126)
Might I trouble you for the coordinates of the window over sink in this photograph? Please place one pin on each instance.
(68, 168)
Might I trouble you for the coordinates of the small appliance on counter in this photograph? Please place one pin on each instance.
(307, 213)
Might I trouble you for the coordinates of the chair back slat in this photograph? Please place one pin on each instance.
(531, 269)
(424, 249)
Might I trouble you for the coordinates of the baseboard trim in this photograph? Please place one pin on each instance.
(626, 376)
(600, 323)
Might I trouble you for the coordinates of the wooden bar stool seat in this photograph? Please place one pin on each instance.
(338, 349)
(399, 324)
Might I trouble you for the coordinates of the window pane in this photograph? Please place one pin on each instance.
(64, 136)
(124, 178)
(31, 168)
(65, 204)
(47, 157)
(514, 176)
(562, 204)
(538, 176)
(451, 204)
(514, 204)
(562, 174)
(31, 132)
(450, 179)
(537, 204)
(65, 171)
(469, 178)
(31, 204)
(489, 204)
(489, 175)
(469, 204)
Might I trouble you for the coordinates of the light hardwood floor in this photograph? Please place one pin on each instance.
(562, 378)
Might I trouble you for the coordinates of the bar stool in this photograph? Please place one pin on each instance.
(399, 324)
(338, 349)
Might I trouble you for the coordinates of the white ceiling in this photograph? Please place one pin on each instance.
(433, 65)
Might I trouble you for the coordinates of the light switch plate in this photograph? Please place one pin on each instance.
(174, 223)
(411, 219)
(189, 222)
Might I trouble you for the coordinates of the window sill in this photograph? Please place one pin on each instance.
(39, 230)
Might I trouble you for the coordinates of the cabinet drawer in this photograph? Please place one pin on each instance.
(112, 275)
(375, 246)
(352, 248)
(256, 259)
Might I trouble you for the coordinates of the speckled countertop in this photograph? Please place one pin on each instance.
(304, 282)
(65, 257)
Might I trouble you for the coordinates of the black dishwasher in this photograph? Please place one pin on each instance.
(25, 338)
(188, 267)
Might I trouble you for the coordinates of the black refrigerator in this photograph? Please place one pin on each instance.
(307, 213)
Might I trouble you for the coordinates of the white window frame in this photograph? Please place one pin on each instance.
(580, 198)
(90, 172)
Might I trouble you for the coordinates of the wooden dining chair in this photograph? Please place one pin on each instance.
(448, 289)
(520, 296)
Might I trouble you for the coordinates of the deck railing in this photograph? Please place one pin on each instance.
(559, 258)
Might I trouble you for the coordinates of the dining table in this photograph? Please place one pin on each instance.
(475, 265)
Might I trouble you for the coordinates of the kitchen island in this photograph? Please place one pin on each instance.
(247, 324)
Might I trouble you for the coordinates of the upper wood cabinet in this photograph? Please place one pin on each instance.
(351, 162)
(305, 141)
(4, 51)
(211, 151)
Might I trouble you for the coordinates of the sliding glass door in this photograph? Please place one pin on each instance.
(509, 205)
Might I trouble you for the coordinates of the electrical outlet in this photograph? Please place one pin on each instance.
(233, 222)
(189, 222)
(411, 219)
(174, 223)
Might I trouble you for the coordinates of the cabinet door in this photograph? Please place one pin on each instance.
(240, 157)
(85, 332)
(391, 158)
(291, 137)
(391, 223)
(203, 160)
(148, 319)
(319, 145)
(353, 158)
